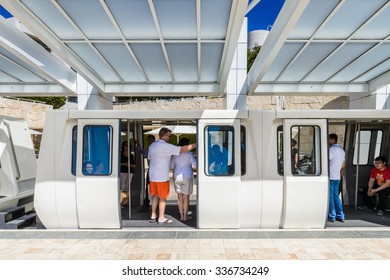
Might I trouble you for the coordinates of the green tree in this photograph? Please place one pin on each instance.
(252, 54)
(55, 101)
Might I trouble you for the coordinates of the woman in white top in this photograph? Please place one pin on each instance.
(183, 166)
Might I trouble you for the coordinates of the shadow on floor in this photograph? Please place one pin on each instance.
(359, 218)
(141, 219)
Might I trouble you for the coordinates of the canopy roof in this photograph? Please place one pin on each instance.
(325, 47)
(140, 47)
(186, 47)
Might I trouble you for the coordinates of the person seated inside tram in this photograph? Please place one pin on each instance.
(294, 156)
(99, 167)
(88, 168)
(217, 161)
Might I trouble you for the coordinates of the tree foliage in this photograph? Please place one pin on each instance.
(252, 54)
(55, 101)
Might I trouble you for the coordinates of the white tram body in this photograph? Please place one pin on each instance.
(18, 164)
(259, 190)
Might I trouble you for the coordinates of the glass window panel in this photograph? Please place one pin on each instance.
(243, 149)
(97, 149)
(219, 150)
(307, 153)
(280, 149)
(363, 148)
(74, 150)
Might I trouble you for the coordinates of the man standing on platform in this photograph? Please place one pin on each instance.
(160, 154)
(336, 164)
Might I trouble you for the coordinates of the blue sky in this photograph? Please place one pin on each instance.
(4, 12)
(262, 16)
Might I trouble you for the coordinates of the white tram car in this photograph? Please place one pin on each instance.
(260, 189)
(18, 164)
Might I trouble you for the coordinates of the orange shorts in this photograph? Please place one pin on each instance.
(161, 189)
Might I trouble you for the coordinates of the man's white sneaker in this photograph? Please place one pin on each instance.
(380, 213)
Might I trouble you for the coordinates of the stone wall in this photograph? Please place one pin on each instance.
(33, 113)
(253, 102)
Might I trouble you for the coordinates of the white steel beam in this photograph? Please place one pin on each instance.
(162, 90)
(34, 90)
(162, 43)
(310, 89)
(287, 18)
(236, 20)
(33, 23)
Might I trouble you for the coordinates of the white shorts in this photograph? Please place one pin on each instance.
(184, 185)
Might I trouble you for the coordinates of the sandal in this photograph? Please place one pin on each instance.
(152, 220)
(166, 221)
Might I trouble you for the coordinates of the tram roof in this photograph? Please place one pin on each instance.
(186, 47)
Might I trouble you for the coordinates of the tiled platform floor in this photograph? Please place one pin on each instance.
(341, 244)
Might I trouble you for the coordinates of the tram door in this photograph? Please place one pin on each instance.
(97, 188)
(219, 173)
(364, 142)
(305, 182)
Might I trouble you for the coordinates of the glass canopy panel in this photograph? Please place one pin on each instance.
(90, 57)
(152, 60)
(356, 11)
(364, 63)
(50, 16)
(183, 58)
(16, 62)
(307, 60)
(18, 71)
(212, 26)
(377, 28)
(120, 59)
(315, 13)
(91, 18)
(287, 52)
(375, 72)
(337, 61)
(134, 19)
(5, 78)
(172, 12)
(211, 60)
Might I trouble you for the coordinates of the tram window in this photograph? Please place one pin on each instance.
(280, 149)
(74, 150)
(362, 146)
(366, 138)
(243, 149)
(97, 148)
(308, 149)
(378, 143)
(305, 150)
(220, 150)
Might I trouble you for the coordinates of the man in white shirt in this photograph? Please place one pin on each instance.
(160, 153)
(336, 164)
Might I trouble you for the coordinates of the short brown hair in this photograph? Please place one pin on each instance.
(163, 131)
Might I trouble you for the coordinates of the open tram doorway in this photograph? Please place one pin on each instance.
(138, 134)
(362, 141)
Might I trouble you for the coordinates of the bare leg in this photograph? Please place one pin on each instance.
(180, 205)
(155, 202)
(161, 209)
(186, 200)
